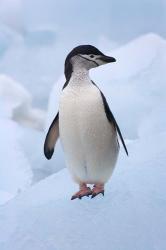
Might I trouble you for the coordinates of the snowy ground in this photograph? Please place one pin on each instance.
(131, 216)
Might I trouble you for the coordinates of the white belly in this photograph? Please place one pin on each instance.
(89, 141)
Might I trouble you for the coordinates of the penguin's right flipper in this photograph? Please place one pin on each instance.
(51, 138)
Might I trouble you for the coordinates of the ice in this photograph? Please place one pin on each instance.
(15, 171)
(40, 37)
(5, 197)
(134, 85)
(10, 14)
(32, 143)
(32, 46)
(16, 103)
(13, 95)
(130, 216)
(136, 55)
(21, 132)
(8, 37)
(45, 37)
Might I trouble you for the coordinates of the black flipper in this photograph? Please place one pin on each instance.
(111, 118)
(52, 134)
(51, 138)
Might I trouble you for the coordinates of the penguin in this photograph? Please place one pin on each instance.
(85, 124)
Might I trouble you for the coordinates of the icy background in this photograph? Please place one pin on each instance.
(35, 208)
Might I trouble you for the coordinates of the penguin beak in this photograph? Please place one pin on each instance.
(107, 59)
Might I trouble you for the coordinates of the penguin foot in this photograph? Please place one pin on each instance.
(86, 191)
(97, 189)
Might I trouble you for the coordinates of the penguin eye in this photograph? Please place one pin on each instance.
(91, 56)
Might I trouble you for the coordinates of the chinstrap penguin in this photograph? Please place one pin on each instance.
(85, 124)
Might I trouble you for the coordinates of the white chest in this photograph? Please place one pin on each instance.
(89, 140)
(80, 105)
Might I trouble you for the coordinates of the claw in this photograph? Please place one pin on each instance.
(93, 195)
(74, 197)
(97, 189)
(84, 192)
(102, 192)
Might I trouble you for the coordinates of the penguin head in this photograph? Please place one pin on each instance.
(85, 56)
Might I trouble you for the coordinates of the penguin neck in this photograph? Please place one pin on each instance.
(80, 75)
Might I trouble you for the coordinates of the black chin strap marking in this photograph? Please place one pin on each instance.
(88, 60)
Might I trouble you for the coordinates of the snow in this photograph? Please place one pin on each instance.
(16, 103)
(18, 121)
(137, 55)
(8, 37)
(15, 171)
(5, 197)
(37, 48)
(130, 216)
(134, 85)
(32, 142)
(22, 131)
(35, 38)
(40, 37)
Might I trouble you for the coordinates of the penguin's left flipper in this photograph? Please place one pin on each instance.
(51, 138)
(111, 118)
